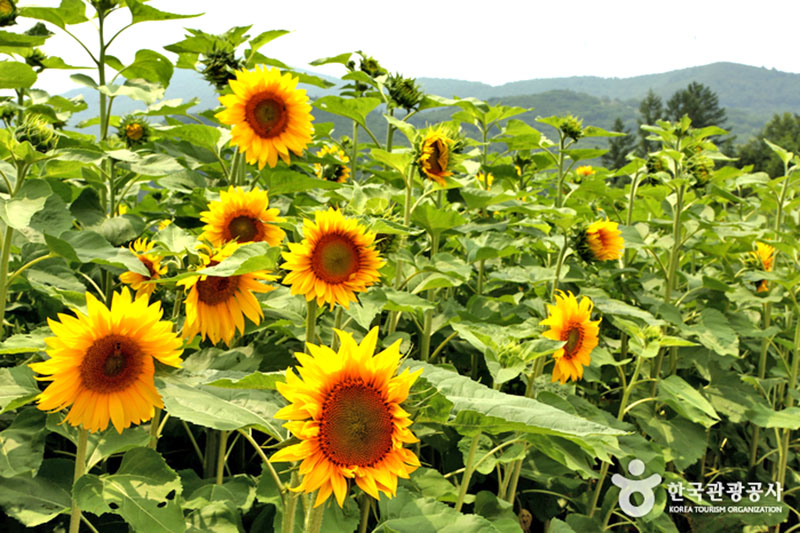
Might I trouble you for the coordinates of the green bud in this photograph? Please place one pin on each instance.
(8, 13)
(220, 67)
(134, 131)
(404, 92)
(37, 131)
(571, 127)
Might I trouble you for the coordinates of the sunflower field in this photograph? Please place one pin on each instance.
(251, 319)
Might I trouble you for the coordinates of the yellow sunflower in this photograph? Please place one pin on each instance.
(486, 179)
(138, 282)
(604, 240)
(269, 114)
(345, 409)
(336, 259)
(765, 254)
(338, 173)
(216, 305)
(242, 217)
(585, 171)
(102, 363)
(569, 322)
(435, 154)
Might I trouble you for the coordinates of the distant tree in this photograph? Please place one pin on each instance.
(783, 130)
(618, 147)
(700, 103)
(650, 110)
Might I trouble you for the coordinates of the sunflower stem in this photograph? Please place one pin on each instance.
(311, 322)
(560, 181)
(289, 509)
(481, 268)
(154, 428)
(267, 465)
(512, 487)
(354, 152)
(80, 468)
(393, 317)
(223, 441)
(314, 518)
(4, 281)
(766, 317)
(468, 468)
(559, 263)
(366, 505)
(787, 432)
(337, 324)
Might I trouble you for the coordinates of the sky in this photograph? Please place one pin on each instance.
(494, 42)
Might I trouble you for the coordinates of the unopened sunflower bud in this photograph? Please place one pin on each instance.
(571, 127)
(220, 67)
(37, 131)
(134, 131)
(8, 13)
(404, 92)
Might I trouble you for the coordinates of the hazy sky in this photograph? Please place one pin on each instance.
(495, 41)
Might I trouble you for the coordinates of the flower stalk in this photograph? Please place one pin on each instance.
(80, 469)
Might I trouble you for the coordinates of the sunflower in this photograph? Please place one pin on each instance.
(569, 322)
(216, 305)
(585, 171)
(269, 115)
(338, 172)
(336, 259)
(102, 363)
(486, 179)
(345, 409)
(604, 240)
(138, 282)
(134, 130)
(764, 254)
(435, 153)
(243, 217)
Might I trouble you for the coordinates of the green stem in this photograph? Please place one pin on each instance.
(393, 317)
(782, 198)
(762, 372)
(425, 344)
(390, 133)
(481, 270)
(620, 414)
(787, 433)
(223, 441)
(267, 465)
(289, 510)
(468, 467)
(154, 428)
(101, 76)
(366, 505)
(560, 182)
(4, 281)
(559, 264)
(512, 487)
(311, 322)
(337, 324)
(314, 518)
(80, 469)
(354, 153)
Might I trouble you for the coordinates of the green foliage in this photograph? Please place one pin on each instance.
(783, 130)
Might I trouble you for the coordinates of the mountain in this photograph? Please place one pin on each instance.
(750, 95)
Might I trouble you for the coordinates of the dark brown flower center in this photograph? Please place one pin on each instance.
(149, 265)
(111, 364)
(266, 114)
(216, 289)
(356, 425)
(243, 228)
(574, 339)
(335, 258)
(438, 159)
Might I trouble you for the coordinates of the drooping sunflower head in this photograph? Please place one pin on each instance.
(242, 217)
(138, 282)
(8, 13)
(269, 114)
(602, 241)
(216, 305)
(764, 254)
(338, 170)
(336, 259)
(585, 171)
(435, 150)
(134, 130)
(345, 409)
(101, 363)
(570, 322)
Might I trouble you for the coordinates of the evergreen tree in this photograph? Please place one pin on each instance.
(650, 110)
(783, 130)
(700, 103)
(618, 147)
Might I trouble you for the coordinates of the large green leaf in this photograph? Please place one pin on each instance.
(67, 13)
(289, 181)
(355, 109)
(686, 401)
(16, 75)
(17, 387)
(150, 66)
(22, 444)
(715, 333)
(764, 417)
(37, 500)
(102, 444)
(29, 200)
(90, 247)
(479, 409)
(141, 12)
(221, 408)
(139, 492)
(436, 220)
(407, 514)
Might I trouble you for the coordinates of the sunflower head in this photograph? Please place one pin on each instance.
(216, 305)
(601, 241)
(35, 59)
(242, 217)
(435, 152)
(8, 13)
(269, 114)
(585, 171)
(404, 92)
(134, 130)
(345, 409)
(570, 322)
(485, 179)
(220, 66)
(336, 259)
(104, 6)
(138, 282)
(571, 127)
(101, 363)
(370, 66)
(764, 255)
(37, 30)
(338, 170)
(37, 131)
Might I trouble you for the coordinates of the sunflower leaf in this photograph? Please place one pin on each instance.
(355, 109)
(37, 500)
(17, 387)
